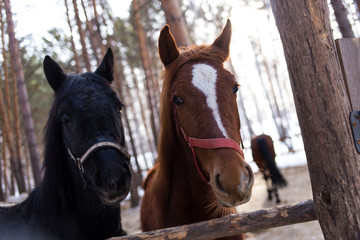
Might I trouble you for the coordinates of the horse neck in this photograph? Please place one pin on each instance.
(57, 193)
(177, 167)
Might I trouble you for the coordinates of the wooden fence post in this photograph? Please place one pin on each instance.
(349, 54)
(323, 110)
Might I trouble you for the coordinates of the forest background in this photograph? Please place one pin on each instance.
(76, 33)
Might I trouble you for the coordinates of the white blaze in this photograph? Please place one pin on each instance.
(204, 78)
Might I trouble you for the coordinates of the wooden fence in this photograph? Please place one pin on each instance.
(234, 224)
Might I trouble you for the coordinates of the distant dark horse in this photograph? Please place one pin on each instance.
(200, 173)
(87, 170)
(263, 152)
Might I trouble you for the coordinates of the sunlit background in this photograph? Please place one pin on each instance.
(265, 98)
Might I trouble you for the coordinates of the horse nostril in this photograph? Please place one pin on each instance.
(219, 185)
(247, 180)
(251, 176)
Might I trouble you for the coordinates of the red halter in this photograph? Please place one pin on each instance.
(210, 143)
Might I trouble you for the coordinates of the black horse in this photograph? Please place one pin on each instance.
(87, 172)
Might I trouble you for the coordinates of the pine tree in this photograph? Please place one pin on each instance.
(341, 15)
(24, 103)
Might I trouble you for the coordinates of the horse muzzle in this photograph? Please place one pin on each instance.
(232, 184)
(111, 174)
(112, 181)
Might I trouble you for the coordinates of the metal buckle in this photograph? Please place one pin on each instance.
(355, 128)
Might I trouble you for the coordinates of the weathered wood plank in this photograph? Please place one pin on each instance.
(349, 55)
(234, 224)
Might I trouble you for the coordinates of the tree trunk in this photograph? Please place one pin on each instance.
(23, 96)
(97, 32)
(96, 44)
(323, 109)
(147, 68)
(82, 38)
(16, 112)
(283, 130)
(5, 162)
(279, 126)
(175, 19)
(136, 133)
(5, 68)
(142, 110)
(134, 195)
(242, 106)
(2, 163)
(7, 97)
(3, 173)
(287, 141)
(357, 3)
(9, 137)
(96, 15)
(341, 15)
(73, 48)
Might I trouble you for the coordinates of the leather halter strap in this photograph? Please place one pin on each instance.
(209, 143)
(95, 147)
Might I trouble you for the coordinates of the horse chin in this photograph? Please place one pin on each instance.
(230, 204)
(111, 199)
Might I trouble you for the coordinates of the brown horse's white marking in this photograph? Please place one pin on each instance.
(199, 139)
(204, 78)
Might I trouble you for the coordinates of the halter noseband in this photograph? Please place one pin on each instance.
(207, 143)
(93, 148)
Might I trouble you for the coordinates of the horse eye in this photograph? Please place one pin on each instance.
(64, 118)
(120, 107)
(235, 89)
(178, 101)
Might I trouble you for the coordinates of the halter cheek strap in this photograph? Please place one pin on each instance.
(210, 143)
(93, 148)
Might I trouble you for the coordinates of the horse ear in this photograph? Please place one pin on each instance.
(223, 40)
(168, 49)
(53, 72)
(106, 67)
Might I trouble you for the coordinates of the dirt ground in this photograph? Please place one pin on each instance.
(298, 189)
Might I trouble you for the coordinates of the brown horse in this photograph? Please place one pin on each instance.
(200, 173)
(263, 152)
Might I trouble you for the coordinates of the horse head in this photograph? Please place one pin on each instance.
(201, 96)
(87, 112)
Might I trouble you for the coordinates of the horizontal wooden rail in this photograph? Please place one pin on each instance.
(234, 224)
